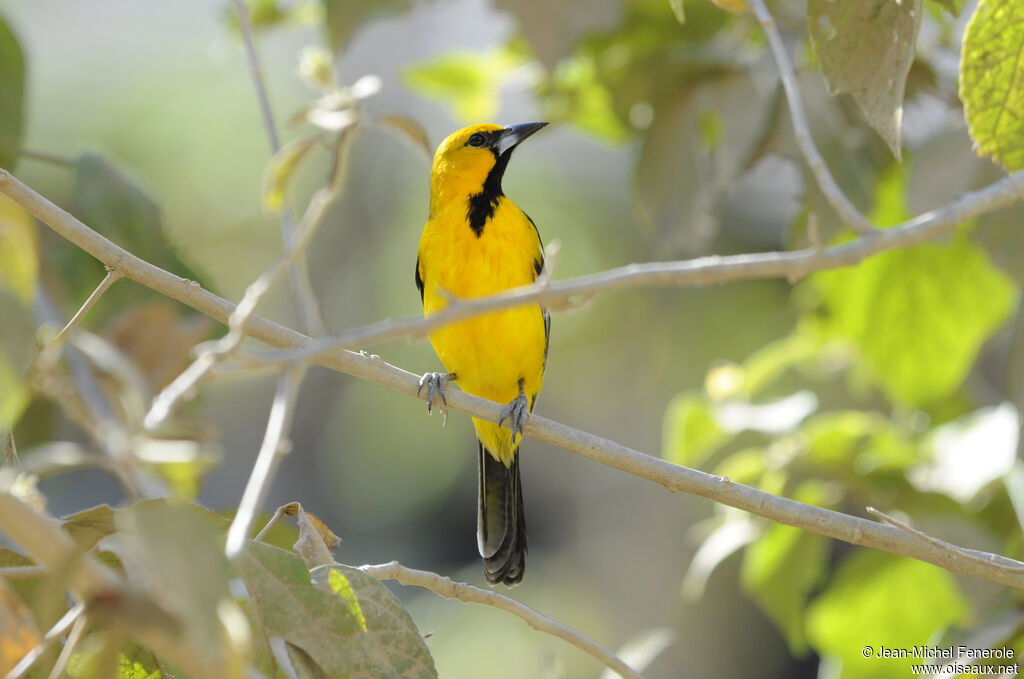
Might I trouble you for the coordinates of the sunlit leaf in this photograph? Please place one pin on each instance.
(918, 316)
(970, 452)
(783, 566)
(858, 440)
(470, 83)
(16, 349)
(279, 171)
(19, 251)
(691, 432)
(12, 103)
(345, 17)
(877, 599)
(951, 6)
(324, 625)
(866, 49)
(732, 534)
(578, 95)
(992, 80)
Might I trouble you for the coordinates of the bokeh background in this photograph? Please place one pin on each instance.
(686, 153)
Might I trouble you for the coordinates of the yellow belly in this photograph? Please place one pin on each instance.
(489, 354)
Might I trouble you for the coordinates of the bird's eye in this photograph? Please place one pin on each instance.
(478, 140)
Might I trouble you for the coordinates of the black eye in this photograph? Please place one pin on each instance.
(478, 140)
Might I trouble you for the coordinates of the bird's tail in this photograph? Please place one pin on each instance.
(501, 522)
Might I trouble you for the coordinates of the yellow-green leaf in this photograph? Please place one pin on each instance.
(19, 251)
(992, 80)
(12, 100)
(279, 171)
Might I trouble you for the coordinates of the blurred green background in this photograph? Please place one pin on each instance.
(667, 142)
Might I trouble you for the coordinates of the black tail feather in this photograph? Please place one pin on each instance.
(501, 521)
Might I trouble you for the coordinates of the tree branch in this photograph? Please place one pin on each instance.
(452, 589)
(275, 446)
(847, 212)
(298, 276)
(695, 272)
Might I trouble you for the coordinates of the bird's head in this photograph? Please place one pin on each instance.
(473, 159)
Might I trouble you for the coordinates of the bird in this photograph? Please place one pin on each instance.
(477, 242)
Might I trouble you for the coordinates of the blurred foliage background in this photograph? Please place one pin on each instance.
(895, 383)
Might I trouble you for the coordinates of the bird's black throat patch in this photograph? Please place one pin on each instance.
(483, 204)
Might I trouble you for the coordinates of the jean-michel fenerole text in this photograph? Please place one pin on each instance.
(950, 652)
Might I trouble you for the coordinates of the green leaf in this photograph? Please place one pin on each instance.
(279, 171)
(992, 80)
(90, 526)
(16, 349)
(783, 566)
(863, 441)
(866, 48)
(12, 103)
(880, 599)
(917, 316)
(691, 433)
(177, 551)
(19, 251)
(345, 17)
(578, 95)
(470, 83)
(324, 624)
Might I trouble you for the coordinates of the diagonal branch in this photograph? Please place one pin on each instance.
(850, 529)
(846, 210)
(452, 589)
(298, 276)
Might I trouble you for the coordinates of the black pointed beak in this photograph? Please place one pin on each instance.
(512, 135)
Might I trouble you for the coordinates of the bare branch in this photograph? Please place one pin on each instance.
(59, 628)
(705, 271)
(452, 589)
(182, 385)
(983, 558)
(275, 446)
(713, 270)
(298, 277)
(850, 215)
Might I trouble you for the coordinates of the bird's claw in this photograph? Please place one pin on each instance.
(517, 412)
(436, 383)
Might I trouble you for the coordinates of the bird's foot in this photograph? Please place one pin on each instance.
(517, 412)
(436, 383)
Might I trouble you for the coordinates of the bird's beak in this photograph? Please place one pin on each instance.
(512, 135)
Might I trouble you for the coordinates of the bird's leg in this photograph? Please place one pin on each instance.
(435, 383)
(517, 411)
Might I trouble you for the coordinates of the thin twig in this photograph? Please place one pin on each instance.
(278, 513)
(165, 402)
(113, 275)
(19, 572)
(70, 646)
(705, 271)
(58, 629)
(310, 319)
(982, 558)
(275, 446)
(452, 589)
(846, 210)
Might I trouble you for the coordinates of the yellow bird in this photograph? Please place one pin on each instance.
(476, 242)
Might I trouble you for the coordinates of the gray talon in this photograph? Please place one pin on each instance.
(435, 383)
(517, 411)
